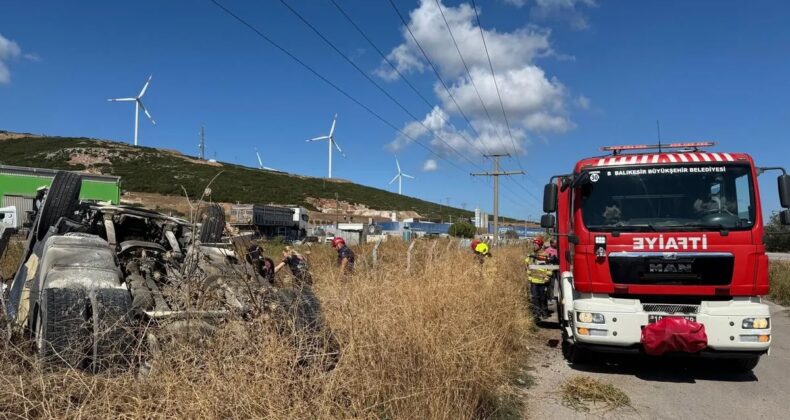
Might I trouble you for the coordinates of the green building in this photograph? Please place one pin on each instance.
(18, 187)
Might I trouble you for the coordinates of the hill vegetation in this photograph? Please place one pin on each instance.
(150, 170)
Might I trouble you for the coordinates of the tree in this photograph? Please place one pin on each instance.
(777, 235)
(511, 234)
(462, 230)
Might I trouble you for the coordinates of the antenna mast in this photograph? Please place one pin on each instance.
(202, 145)
(658, 131)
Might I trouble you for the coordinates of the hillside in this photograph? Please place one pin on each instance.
(150, 170)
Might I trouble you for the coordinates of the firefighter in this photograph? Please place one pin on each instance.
(298, 266)
(345, 256)
(538, 279)
(263, 266)
(480, 250)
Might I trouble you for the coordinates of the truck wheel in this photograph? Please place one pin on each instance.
(113, 337)
(746, 364)
(212, 224)
(573, 353)
(61, 200)
(62, 333)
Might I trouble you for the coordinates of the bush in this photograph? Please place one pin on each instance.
(780, 283)
(777, 235)
(462, 230)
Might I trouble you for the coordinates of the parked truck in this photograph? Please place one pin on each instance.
(648, 237)
(270, 220)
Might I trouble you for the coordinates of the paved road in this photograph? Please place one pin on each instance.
(778, 256)
(672, 389)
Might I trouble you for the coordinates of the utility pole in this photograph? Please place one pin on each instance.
(202, 145)
(496, 174)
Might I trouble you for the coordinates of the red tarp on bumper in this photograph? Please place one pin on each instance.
(674, 334)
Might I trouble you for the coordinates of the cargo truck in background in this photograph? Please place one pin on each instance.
(652, 234)
(270, 221)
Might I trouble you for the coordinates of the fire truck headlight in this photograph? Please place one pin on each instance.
(589, 317)
(755, 323)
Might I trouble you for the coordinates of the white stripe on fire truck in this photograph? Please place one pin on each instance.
(705, 157)
(716, 157)
(728, 157)
(694, 157)
(601, 161)
(683, 157)
(644, 158)
(655, 159)
(671, 157)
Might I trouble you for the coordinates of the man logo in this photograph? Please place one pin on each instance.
(670, 268)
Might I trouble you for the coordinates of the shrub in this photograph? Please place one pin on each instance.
(462, 230)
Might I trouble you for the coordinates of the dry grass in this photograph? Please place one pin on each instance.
(9, 260)
(442, 341)
(580, 392)
(780, 283)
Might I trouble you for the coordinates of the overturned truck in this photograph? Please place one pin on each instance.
(91, 273)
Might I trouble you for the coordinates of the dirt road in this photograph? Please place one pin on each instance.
(671, 389)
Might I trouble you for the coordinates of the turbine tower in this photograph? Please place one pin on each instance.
(138, 103)
(331, 140)
(400, 177)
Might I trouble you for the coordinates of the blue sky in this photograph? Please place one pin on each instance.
(574, 75)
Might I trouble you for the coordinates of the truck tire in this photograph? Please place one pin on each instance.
(61, 200)
(212, 224)
(113, 336)
(745, 365)
(573, 353)
(63, 333)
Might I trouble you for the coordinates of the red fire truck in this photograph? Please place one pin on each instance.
(663, 243)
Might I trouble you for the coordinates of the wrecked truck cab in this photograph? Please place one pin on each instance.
(92, 273)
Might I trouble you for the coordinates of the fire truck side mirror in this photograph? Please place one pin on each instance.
(547, 221)
(550, 198)
(784, 217)
(784, 191)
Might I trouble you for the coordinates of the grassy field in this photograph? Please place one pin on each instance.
(444, 340)
(780, 283)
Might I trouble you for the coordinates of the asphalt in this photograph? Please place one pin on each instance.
(662, 388)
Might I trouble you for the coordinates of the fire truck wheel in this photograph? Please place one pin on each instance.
(573, 353)
(746, 364)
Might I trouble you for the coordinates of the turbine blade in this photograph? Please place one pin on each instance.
(332, 130)
(122, 99)
(337, 147)
(317, 138)
(407, 176)
(397, 164)
(145, 86)
(146, 112)
(394, 179)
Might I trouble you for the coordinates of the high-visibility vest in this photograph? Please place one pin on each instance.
(535, 273)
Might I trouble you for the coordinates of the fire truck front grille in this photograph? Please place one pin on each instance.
(683, 269)
(670, 308)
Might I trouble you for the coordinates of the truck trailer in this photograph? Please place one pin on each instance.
(661, 251)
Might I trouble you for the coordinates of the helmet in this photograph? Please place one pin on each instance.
(338, 241)
(482, 248)
(474, 243)
(538, 241)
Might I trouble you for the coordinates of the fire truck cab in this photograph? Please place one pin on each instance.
(670, 231)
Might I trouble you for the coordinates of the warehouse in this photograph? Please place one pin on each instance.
(18, 187)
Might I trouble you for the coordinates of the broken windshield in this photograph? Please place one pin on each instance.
(649, 198)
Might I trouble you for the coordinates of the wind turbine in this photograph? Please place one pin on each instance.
(331, 140)
(260, 162)
(400, 177)
(138, 103)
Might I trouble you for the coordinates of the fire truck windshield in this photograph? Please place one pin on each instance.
(642, 198)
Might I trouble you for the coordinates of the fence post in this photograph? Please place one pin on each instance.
(376, 252)
(433, 247)
(408, 256)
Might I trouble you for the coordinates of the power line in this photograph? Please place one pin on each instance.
(496, 173)
(468, 73)
(330, 83)
(438, 76)
(370, 79)
(400, 74)
(496, 85)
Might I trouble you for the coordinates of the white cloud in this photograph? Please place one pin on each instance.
(430, 165)
(32, 57)
(534, 102)
(8, 50)
(569, 10)
(517, 3)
